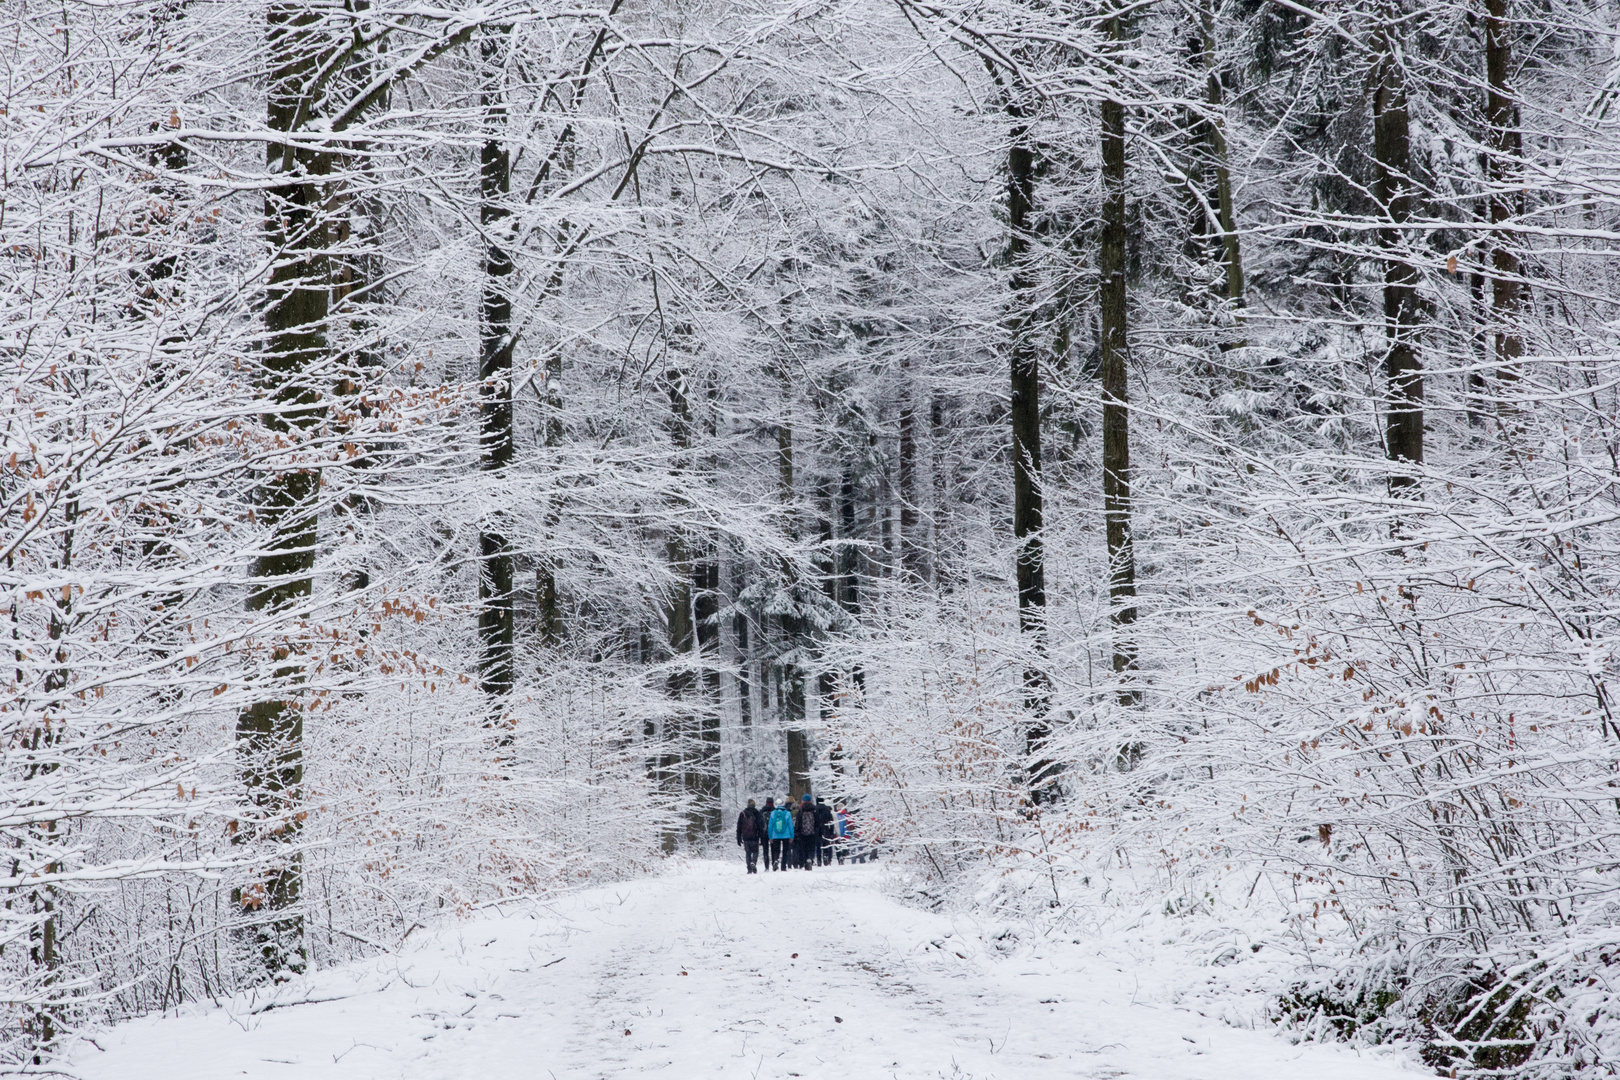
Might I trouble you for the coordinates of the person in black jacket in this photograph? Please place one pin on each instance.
(750, 831)
(765, 844)
(806, 834)
(826, 828)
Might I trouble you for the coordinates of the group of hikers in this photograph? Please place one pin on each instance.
(812, 834)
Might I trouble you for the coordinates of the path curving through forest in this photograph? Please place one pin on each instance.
(705, 972)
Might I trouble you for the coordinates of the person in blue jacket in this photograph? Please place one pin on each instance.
(779, 828)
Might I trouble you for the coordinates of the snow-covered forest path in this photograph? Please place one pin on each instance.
(704, 972)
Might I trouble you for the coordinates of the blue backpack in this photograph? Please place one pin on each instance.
(781, 824)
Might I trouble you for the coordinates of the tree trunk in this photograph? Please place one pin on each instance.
(913, 547)
(549, 614)
(681, 684)
(703, 769)
(1116, 435)
(853, 574)
(42, 1020)
(1025, 394)
(938, 438)
(744, 652)
(270, 733)
(1504, 172)
(850, 559)
(1025, 414)
(790, 695)
(798, 739)
(1214, 130)
(357, 277)
(1475, 392)
(496, 627)
(1392, 188)
(658, 739)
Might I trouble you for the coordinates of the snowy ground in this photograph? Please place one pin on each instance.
(705, 972)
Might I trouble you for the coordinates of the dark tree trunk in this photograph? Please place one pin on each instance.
(675, 777)
(739, 634)
(938, 436)
(849, 554)
(549, 620)
(1025, 414)
(1475, 393)
(658, 739)
(42, 1019)
(1214, 132)
(798, 740)
(270, 733)
(357, 279)
(790, 692)
(703, 769)
(852, 575)
(496, 626)
(1392, 187)
(1504, 172)
(681, 684)
(1026, 394)
(913, 565)
(1116, 433)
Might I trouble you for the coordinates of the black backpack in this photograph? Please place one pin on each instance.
(807, 825)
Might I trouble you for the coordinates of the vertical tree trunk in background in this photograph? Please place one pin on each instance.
(356, 279)
(790, 694)
(913, 566)
(706, 613)
(883, 561)
(496, 626)
(270, 733)
(661, 763)
(680, 745)
(798, 739)
(560, 161)
(548, 620)
(549, 616)
(703, 770)
(1025, 413)
(1475, 393)
(849, 564)
(852, 575)
(1214, 128)
(827, 548)
(1504, 173)
(679, 686)
(1116, 434)
(829, 576)
(937, 436)
(1025, 392)
(43, 1019)
(739, 635)
(1392, 188)
(694, 686)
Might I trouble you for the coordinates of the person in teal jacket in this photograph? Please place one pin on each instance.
(779, 829)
